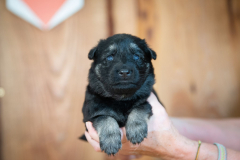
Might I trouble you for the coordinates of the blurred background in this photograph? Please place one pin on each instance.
(43, 74)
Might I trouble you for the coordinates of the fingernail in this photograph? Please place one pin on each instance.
(87, 124)
(121, 133)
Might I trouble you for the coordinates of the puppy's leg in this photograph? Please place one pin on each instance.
(136, 126)
(109, 134)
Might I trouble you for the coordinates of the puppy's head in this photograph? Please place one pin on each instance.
(121, 65)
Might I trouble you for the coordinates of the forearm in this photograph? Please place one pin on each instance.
(182, 148)
(186, 149)
(226, 131)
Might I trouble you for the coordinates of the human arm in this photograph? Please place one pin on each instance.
(163, 140)
(223, 131)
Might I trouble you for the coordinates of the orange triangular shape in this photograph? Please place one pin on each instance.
(44, 9)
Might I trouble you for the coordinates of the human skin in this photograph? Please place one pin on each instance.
(223, 131)
(163, 140)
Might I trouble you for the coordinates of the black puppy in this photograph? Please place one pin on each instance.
(120, 81)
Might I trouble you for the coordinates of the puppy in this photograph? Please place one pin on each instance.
(121, 78)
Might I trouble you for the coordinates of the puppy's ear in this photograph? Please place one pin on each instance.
(153, 54)
(92, 53)
(150, 51)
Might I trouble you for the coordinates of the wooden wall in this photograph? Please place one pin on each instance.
(44, 74)
(198, 46)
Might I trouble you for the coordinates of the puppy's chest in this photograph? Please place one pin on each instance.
(119, 110)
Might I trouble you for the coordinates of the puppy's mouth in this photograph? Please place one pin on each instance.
(124, 82)
(124, 87)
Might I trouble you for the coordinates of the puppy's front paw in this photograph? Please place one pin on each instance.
(110, 143)
(136, 131)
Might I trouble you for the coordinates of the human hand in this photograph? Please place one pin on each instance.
(163, 139)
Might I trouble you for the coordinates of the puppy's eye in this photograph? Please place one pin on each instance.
(135, 57)
(110, 58)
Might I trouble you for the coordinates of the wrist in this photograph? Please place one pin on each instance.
(186, 149)
(177, 147)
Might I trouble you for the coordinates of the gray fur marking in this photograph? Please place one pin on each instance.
(97, 70)
(133, 45)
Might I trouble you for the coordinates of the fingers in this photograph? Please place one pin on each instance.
(153, 101)
(152, 97)
(92, 132)
(94, 143)
(92, 136)
(123, 134)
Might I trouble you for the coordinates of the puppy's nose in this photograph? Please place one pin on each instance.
(124, 73)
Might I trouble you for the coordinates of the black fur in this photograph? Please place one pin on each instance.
(118, 88)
